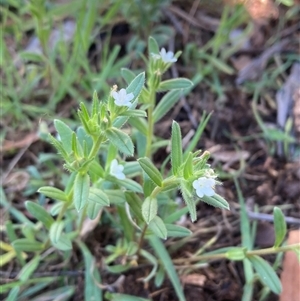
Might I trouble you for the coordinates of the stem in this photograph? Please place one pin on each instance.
(266, 251)
(141, 240)
(96, 146)
(150, 124)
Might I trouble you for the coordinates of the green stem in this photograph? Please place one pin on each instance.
(260, 252)
(96, 146)
(150, 124)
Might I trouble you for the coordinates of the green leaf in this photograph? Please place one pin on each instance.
(136, 85)
(151, 170)
(115, 196)
(189, 200)
(149, 209)
(123, 297)
(152, 46)
(176, 148)
(134, 113)
(93, 209)
(81, 190)
(130, 185)
(96, 195)
(216, 201)
(65, 134)
(188, 166)
(76, 147)
(121, 140)
(135, 204)
(177, 231)
(140, 124)
(27, 245)
(96, 200)
(166, 104)
(56, 231)
(64, 243)
(92, 291)
(174, 84)
(128, 75)
(158, 227)
(279, 226)
(39, 213)
(53, 193)
(266, 273)
(166, 261)
(236, 253)
(29, 268)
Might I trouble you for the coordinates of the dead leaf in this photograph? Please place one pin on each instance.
(290, 276)
(194, 279)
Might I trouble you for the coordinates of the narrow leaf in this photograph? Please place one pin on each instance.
(152, 46)
(65, 134)
(27, 245)
(92, 290)
(121, 140)
(136, 85)
(175, 83)
(151, 171)
(188, 166)
(279, 226)
(39, 213)
(128, 75)
(177, 231)
(56, 231)
(96, 195)
(158, 227)
(166, 104)
(149, 209)
(64, 243)
(176, 148)
(266, 273)
(81, 190)
(216, 201)
(53, 193)
(167, 263)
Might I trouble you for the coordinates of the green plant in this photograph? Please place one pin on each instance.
(95, 156)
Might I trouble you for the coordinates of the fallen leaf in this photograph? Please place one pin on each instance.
(194, 279)
(290, 276)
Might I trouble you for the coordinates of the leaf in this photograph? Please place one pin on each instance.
(140, 124)
(158, 227)
(92, 291)
(96, 195)
(175, 83)
(93, 209)
(177, 231)
(152, 46)
(29, 268)
(189, 200)
(39, 213)
(56, 231)
(64, 243)
(81, 190)
(167, 263)
(65, 134)
(176, 148)
(279, 226)
(136, 85)
(216, 201)
(188, 166)
(266, 273)
(123, 297)
(27, 245)
(115, 196)
(53, 193)
(127, 74)
(135, 204)
(121, 140)
(149, 209)
(151, 171)
(130, 185)
(166, 104)
(134, 113)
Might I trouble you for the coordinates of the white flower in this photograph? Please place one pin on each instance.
(116, 170)
(204, 186)
(122, 98)
(167, 57)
